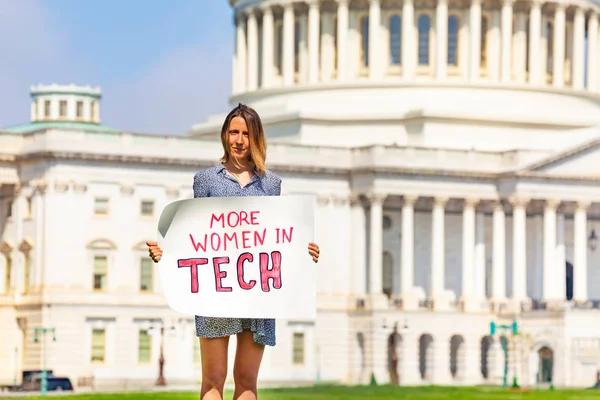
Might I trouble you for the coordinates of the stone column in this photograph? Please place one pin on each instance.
(241, 63)
(409, 300)
(252, 82)
(560, 265)
(374, 42)
(580, 252)
(592, 44)
(535, 32)
(558, 79)
(468, 259)
(409, 46)
(288, 44)
(499, 254)
(342, 39)
(480, 265)
(548, 292)
(519, 251)
(520, 50)
(359, 247)
(439, 294)
(441, 32)
(507, 17)
(378, 299)
(314, 20)
(578, 48)
(268, 42)
(475, 42)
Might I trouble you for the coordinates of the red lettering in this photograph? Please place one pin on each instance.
(198, 245)
(273, 273)
(192, 263)
(217, 261)
(244, 217)
(215, 238)
(237, 219)
(219, 218)
(231, 238)
(258, 238)
(287, 235)
(240, 271)
(245, 239)
(253, 217)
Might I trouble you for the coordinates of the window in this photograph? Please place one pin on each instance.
(335, 43)
(147, 208)
(101, 206)
(144, 346)
(47, 108)
(550, 47)
(297, 32)
(62, 107)
(80, 109)
(364, 42)
(484, 29)
(29, 206)
(7, 272)
(453, 40)
(298, 348)
(146, 275)
(100, 272)
(395, 40)
(423, 25)
(34, 105)
(9, 211)
(98, 345)
(93, 111)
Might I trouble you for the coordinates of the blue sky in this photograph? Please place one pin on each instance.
(162, 65)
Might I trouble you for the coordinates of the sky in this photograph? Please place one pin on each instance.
(162, 65)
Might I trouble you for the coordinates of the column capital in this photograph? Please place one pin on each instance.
(410, 199)
(355, 199)
(552, 204)
(582, 205)
(343, 2)
(266, 8)
(559, 7)
(288, 6)
(508, 2)
(536, 3)
(250, 12)
(376, 2)
(440, 201)
(476, 2)
(518, 200)
(376, 197)
(39, 185)
(313, 3)
(470, 202)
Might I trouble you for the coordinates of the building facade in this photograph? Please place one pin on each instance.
(452, 147)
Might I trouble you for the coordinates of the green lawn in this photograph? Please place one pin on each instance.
(362, 392)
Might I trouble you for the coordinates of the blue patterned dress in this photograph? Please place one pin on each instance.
(215, 182)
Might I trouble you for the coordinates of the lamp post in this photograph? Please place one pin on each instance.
(36, 333)
(514, 329)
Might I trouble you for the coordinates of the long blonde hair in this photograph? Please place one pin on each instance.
(258, 141)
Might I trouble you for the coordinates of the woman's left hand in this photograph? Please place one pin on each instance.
(314, 251)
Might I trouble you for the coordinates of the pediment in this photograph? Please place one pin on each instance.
(102, 244)
(583, 161)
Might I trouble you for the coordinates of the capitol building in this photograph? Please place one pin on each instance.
(453, 147)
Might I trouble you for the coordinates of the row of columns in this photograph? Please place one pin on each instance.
(473, 255)
(512, 59)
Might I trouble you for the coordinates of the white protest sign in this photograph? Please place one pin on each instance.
(239, 257)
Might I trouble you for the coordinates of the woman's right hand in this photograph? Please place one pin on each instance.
(155, 251)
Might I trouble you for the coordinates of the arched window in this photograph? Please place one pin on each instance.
(395, 40)
(388, 274)
(423, 26)
(364, 42)
(484, 29)
(453, 23)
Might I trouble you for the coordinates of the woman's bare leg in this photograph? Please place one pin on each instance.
(248, 357)
(214, 367)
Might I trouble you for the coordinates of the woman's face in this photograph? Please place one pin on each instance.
(239, 140)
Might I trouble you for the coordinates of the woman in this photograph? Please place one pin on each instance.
(242, 172)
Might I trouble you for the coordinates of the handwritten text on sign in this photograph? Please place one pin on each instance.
(239, 257)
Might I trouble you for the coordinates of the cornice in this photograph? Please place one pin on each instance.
(342, 172)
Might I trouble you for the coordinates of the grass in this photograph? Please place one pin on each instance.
(360, 392)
